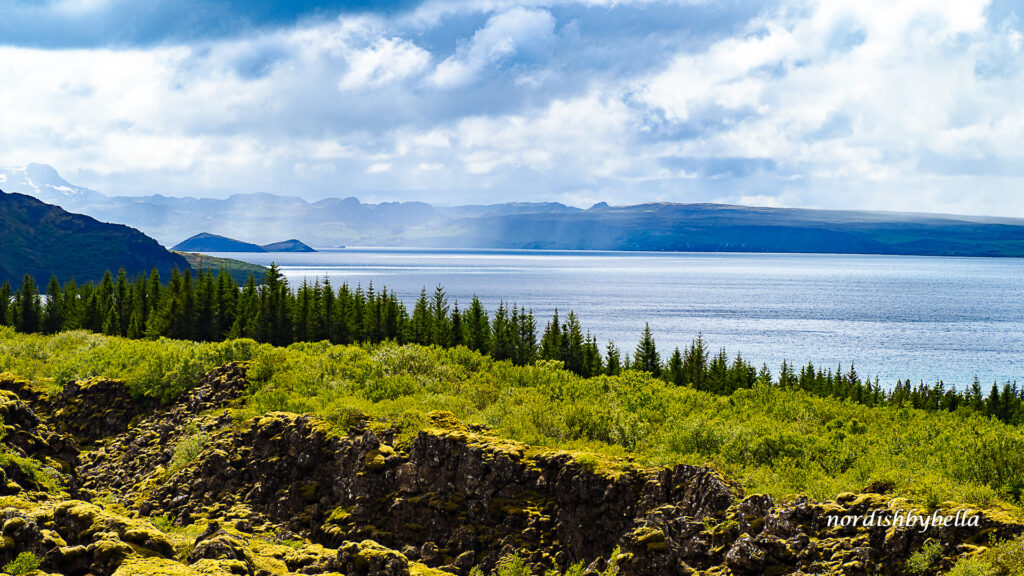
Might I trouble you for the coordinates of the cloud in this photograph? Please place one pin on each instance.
(899, 104)
(387, 61)
(517, 32)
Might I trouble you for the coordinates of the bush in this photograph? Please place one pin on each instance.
(1002, 559)
(925, 559)
(25, 563)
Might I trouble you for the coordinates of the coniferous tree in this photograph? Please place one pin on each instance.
(675, 368)
(5, 304)
(441, 329)
(71, 303)
(524, 334)
(502, 346)
(612, 365)
(647, 357)
(458, 330)
(327, 301)
(572, 344)
(695, 363)
(593, 365)
(718, 374)
(121, 300)
(478, 328)
(551, 341)
(53, 313)
(422, 323)
(112, 323)
(976, 402)
(27, 306)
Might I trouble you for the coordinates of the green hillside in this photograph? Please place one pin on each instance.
(40, 239)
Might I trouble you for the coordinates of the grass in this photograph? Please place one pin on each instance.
(773, 441)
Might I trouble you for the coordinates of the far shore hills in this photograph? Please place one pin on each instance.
(258, 221)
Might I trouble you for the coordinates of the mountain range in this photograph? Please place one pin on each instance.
(260, 218)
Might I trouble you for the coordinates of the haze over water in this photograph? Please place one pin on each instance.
(923, 318)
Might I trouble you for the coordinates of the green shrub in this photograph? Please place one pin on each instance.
(512, 566)
(925, 559)
(25, 563)
(186, 450)
(1002, 559)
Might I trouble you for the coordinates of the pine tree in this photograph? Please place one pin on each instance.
(695, 363)
(439, 315)
(572, 344)
(612, 365)
(422, 323)
(121, 300)
(675, 368)
(592, 362)
(327, 311)
(71, 303)
(646, 357)
(524, 334)
(27, 306)
(502, 346)
(53, 313)
(551, 341)
(112, 323)
(458, 330)
(478, 328)
(5, 304)
(975, 399)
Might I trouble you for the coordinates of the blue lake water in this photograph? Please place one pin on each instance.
(923, 318)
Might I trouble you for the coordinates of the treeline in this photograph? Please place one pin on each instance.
(213, 307)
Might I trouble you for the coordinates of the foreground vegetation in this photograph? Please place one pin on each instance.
(774, 440)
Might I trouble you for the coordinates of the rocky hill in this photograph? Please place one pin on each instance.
(206, 242)
(290, 245)
(41, 239)
(95, 482)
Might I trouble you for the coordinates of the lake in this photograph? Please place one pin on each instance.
(923, 318)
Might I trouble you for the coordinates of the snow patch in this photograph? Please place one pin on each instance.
(67, 190)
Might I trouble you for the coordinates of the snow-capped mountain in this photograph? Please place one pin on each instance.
(43, 182)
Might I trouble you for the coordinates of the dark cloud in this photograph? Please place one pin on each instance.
(97, 23)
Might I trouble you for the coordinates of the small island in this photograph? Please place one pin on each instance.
(206, 242)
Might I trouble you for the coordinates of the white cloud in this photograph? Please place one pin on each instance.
(386, 61)
(894, 103)
(518, 30)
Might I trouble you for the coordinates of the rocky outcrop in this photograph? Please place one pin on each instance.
(30, 445)
(290, 493)
(92, 409)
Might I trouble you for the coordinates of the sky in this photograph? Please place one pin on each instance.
(877, 104)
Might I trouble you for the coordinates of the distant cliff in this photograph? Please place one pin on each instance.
(41, 239)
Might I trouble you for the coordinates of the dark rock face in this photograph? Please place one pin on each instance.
(455, 496)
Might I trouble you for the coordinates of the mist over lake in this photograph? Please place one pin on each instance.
(923, 318)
